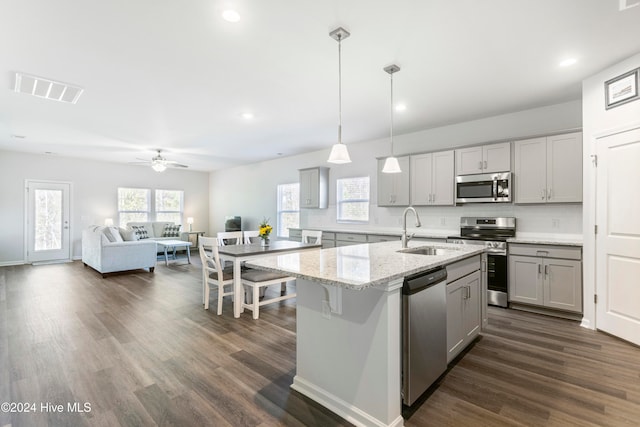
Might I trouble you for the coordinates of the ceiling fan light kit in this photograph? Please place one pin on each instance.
(339, 153)
(159, 163)
(391, 165)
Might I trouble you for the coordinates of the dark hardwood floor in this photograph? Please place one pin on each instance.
(140, 350)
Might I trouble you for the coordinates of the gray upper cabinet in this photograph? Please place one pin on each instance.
(314, 188)
(549, 169)
(484, 159)
(393, 188)
(432, 176)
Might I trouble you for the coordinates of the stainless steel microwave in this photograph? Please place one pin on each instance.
(484, 188)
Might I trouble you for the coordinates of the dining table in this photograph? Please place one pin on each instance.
(238, 254)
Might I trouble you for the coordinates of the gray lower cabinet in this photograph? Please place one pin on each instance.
(546, 276)
(464, 286)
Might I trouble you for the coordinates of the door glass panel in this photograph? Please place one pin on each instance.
(48, 219)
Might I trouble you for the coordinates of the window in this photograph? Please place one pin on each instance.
(133, 205)
(353, 199)
(169, 205)
(288, 208)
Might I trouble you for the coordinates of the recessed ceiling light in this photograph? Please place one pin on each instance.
(568, 62)
(247, 116)
(231, 16)
(401, 107)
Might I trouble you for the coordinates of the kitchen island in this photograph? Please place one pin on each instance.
(349, 323)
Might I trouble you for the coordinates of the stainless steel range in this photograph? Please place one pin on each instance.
(493, 234)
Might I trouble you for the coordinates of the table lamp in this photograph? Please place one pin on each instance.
(190, 222)
(108, 222)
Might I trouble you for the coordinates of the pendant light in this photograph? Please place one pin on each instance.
(339, 153)
(391, 165)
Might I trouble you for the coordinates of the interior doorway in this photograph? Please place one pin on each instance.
(618, 235)
(48, 228)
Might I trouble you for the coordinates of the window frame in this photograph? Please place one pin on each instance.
(148, 212)
(340, 203)
(155, 205)
(280, 228)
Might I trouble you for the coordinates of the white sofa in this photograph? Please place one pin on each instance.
(106, 256)
(155, 230)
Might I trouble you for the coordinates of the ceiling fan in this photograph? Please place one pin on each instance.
(159, 163)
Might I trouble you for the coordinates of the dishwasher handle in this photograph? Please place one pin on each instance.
(420, 281)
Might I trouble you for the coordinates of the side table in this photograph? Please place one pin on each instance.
(194, 233)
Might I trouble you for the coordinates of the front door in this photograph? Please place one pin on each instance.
(48, 228)
(618, 236)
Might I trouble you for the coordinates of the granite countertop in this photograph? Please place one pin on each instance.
(548, 240)
(382, 231)
(362, 266)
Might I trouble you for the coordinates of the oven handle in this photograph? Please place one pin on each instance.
(495, 251)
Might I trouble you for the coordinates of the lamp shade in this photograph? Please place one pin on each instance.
(190, 220)
(391, 165)
(108, 222)
(339, 154)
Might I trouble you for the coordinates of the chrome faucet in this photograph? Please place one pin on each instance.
(405, 238)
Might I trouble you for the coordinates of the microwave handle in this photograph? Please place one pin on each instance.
(495, 189)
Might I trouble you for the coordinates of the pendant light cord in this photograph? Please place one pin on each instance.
(339, 89)
(391, 74)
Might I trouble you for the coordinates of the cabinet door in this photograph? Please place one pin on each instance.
(393, 188)
(443, 176)
(455, 336)
(309, 188)
(564, 168)
(421, 175)
(385, 186)
(496, 158)
(525, 279)
(471, 310)
(469, 161)
(563, 284)
(530, 171)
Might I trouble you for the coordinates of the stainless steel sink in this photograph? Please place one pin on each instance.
(427, 250)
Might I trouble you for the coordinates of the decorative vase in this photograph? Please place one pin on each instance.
(264, 241)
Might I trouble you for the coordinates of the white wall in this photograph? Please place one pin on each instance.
(250, 191)
(597, 122)
(94, 194)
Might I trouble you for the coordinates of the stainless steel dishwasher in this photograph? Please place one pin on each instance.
(424, 332)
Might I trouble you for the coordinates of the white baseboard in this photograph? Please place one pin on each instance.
(10, 263)
(345, 410)
(586, 323)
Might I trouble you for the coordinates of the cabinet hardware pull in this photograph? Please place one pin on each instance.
(542, 253)
(539, 268)
(544, 193)
(485, 164)
(546, 270)
(480, 165)
(549, 195)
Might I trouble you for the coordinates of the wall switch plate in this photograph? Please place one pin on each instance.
(555, 223)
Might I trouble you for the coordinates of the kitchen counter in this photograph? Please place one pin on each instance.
(362, 266)
(422, 233)
(547, 240)
(349, 323)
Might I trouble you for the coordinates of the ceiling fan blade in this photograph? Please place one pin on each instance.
(142, 163)
(175, 165)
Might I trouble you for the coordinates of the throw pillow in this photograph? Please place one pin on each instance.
(129, 235)
(140, 231)
(115, 233)
(171, 230)
(107, 233)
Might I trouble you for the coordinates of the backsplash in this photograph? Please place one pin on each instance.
(531, 219)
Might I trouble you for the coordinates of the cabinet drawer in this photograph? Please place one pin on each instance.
(546, 251)
(351, 237)
(328, 235)
(462, 268)
(328, 244)
(375, 238)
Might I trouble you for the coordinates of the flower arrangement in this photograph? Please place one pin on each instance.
(265, 229)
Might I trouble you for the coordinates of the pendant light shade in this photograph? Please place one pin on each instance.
(339, 153)
(391, 165)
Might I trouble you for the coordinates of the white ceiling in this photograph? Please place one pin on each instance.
(172, 74)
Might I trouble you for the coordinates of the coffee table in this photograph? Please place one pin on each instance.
(174, 245)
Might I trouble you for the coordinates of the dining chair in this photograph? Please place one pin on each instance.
(213, 274)
(316, 235)
(229, 238)
(251, 234)
(258, 280)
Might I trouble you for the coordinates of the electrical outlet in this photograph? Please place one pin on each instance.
(555, 223)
